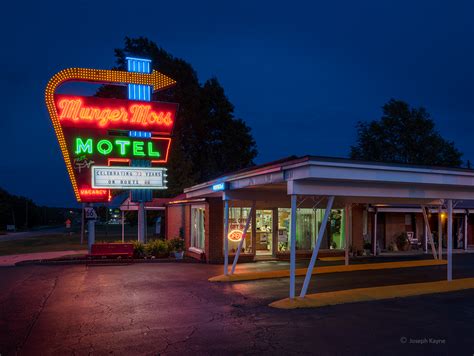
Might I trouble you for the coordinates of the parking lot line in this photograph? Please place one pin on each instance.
(251, 276)
(373, 293)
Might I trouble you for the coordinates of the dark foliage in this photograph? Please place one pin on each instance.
(404, 135)
(208, 139)
(21, 211)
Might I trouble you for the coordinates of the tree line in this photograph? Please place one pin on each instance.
(24, 213)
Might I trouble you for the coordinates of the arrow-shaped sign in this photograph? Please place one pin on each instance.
(155, 79)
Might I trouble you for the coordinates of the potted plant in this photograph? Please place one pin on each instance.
(367, 248)
(402, 241)
(393, 247)
(177, 246)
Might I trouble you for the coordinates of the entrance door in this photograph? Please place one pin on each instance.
(264, 237)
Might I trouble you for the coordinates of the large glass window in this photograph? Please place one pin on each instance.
(198, 231)
(237, 219)
(283, 229)
(308, 223)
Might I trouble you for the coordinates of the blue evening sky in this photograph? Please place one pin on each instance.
(300, 73)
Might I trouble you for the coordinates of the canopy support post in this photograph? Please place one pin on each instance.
(312, 262)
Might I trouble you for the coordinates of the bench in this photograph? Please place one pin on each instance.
(105, 250)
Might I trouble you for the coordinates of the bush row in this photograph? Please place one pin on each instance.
(157, 248)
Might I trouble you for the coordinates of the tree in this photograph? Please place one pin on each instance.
(23, 212)
(208, 140)
(404, 135)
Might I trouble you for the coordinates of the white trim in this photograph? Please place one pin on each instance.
(339, 177)
(195, 250)
(192, 232)
(383, 167)
(324, 164)
(413, 210)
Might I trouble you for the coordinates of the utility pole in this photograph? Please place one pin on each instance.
(82, 223)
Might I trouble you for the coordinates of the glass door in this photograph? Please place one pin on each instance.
(264, 237)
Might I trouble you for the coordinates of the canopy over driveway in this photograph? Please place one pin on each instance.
(310, 180)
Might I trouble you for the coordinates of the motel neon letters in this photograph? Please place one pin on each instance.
(141, 115)
(117, 147)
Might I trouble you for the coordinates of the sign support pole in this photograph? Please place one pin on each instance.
(141, 222)
(123, 226)
(82, 223)
(91, 233)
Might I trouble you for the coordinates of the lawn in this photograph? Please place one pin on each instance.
(41, 244)
(64, 242)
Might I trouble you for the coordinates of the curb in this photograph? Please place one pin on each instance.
(103, 261)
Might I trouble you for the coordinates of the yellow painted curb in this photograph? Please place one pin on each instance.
(334, 258)
(374, 293)
(251, 276)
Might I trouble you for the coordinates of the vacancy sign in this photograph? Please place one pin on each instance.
(128, 177)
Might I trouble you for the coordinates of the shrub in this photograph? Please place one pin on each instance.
(157, 248)
(176, 244)
(393, 247)
(402, 240)
(138, 249)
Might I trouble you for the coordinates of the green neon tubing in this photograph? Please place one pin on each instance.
(122, 144)
(107, 150)
(138, 148)
(83, 147)
(152, 153)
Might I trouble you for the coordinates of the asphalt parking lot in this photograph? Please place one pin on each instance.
(171, 308)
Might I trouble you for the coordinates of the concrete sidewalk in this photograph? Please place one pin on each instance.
(373, 293)
(279, 273)
(11, 260)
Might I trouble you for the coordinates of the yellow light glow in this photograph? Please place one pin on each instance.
(235, 235)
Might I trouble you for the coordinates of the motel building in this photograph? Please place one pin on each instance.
(278, 210)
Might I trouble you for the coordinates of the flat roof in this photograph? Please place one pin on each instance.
(323, 176)
(296, 159)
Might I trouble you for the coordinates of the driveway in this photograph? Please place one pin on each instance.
(11, 260)
(171, 308)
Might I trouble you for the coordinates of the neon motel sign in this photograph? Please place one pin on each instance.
(104, 132)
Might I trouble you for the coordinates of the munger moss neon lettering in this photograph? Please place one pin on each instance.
(122, 147)
(140, 115)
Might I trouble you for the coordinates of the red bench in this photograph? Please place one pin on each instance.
(112, 250)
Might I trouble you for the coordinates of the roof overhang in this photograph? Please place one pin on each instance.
(349, 181)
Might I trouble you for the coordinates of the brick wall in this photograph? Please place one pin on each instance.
(394, 226)
(174, 220)
(179, 217)
(420, 226)
(187, 225)
(214, 230)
